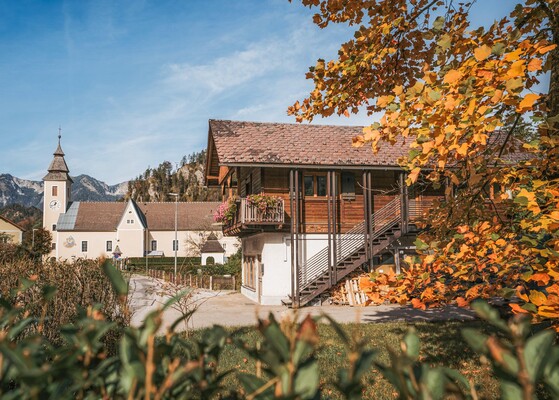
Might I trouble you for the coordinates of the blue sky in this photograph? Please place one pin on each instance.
(133, 83)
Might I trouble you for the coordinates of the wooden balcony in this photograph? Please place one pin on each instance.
(251, 219)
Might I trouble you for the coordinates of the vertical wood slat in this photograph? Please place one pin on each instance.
(329, 207)
(297, 250)
(292, 232)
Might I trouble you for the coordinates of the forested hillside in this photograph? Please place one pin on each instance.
(26, 217)
(185, 178)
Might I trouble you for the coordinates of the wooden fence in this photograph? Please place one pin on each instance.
(218, 282)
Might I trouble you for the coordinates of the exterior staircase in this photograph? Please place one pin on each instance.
(319, 273)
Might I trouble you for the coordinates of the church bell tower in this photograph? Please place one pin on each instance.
(57, 188)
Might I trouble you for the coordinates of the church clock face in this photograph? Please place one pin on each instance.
(54, 205)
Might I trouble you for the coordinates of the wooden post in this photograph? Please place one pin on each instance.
(371, 212)
(335, 228)
(366, 215)
(297, 227)
(211, 282)
(329, 204)
(234, 283)
(292, 231)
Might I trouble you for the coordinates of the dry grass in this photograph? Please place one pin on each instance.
(78, 285)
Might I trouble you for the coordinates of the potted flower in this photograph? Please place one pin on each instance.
(226, 211)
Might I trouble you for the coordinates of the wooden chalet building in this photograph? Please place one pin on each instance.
(339, 207)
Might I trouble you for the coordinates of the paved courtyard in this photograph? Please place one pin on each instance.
(233, 309)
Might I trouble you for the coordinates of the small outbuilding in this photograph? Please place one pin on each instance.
(212, 251)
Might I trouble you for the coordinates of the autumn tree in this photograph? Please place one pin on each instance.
(461, 96)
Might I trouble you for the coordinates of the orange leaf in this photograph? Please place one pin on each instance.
(545, 49)
(416, 303)
(462, 302)
(481, 53)
(535, 65)
(541, 278)
(452, 76)
(517, 309)
(528, 101)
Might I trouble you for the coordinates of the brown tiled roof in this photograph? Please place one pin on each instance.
(99, 216)
(212, 245)
(239, 142)
(105, 216)
(192, 216)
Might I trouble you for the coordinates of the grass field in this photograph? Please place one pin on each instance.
(441, 344)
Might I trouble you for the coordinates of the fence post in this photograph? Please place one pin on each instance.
(234, 285)
(190, 279)
(211, 282)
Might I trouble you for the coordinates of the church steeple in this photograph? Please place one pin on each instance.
(58, 169)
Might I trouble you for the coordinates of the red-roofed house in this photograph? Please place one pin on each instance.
(338, 207)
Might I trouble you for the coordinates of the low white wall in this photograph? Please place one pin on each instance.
(219, 258)
(275, 250)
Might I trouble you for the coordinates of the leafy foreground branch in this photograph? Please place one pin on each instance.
(151, 367)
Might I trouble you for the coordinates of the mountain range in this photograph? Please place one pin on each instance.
(15, 190)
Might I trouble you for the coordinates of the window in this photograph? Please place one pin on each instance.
(53, 246)
(314, 185)
(153, 245)
(210, 260)
(109, 245)
(321, 185)
(348, 185)
(249, 272)
(309, 185)
(53, 227)
(129, 221)
(4, 239)
(55, 190)
(84, 246)
(175, 245)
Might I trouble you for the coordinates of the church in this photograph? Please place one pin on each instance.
(123, 229)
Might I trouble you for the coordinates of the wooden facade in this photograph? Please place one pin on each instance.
(347, 197)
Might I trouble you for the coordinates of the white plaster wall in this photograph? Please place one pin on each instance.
(12, 231)
(96, 245)
(218, 258)
(275, 249)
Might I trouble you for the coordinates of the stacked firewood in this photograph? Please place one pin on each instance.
(347, 290)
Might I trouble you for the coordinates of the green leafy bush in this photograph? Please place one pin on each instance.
(169, 367)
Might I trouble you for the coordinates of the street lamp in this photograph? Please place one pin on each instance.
(33, 239)
(176, 242)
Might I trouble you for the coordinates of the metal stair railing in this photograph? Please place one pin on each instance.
(349, 243)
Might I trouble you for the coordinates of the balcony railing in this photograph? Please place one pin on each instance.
(249, 216)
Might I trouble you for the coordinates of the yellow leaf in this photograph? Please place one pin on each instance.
(358, 141)
(528, 102)
(383, 101)
(515, 55)
(452, 76)
(414, 174)
(513, 84)
(481, 53)
(537, 298)
(463, 149)
(516, 69)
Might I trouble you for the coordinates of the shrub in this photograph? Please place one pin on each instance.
(285, 356)
(72, 288)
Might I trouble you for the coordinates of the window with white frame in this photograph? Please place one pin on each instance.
(175, 245)
(84, 246)
(109, 245)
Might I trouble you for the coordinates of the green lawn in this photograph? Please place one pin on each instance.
(442, 344)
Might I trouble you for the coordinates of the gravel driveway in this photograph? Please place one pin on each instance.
(233, 309)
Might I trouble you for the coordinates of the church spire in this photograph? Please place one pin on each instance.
(58, 169)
